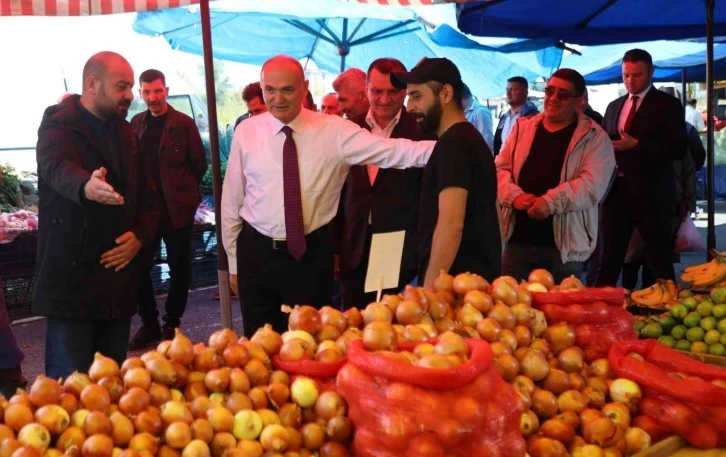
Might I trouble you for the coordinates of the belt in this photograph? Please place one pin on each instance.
(279, 244)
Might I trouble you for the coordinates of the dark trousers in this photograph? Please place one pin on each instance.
(10, 353)
(354, 280)
(620, 215)
(179, 257)
(71, 344)
(518, 261)
(268, 276)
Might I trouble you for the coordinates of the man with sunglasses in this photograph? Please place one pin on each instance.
(553, 170)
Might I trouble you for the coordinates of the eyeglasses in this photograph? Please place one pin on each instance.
(560, 95)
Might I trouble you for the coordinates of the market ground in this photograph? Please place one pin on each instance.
(202, 316)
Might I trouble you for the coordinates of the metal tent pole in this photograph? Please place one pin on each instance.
(711, 237)
(684, 96)
(223, 266)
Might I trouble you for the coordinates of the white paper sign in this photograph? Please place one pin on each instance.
(384, 264)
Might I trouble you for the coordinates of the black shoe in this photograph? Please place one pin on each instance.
(11, 379)
(167, 333)
(145, 337)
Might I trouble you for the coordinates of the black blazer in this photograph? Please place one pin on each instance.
(393, 200)
(659, 126)
(73, 233)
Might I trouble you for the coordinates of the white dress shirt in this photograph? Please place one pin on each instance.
(693, 117)
(384, 132)
(327, 146)
(627, 104)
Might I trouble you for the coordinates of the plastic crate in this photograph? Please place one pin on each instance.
(17, 270)
(203, 245)
(204, 273)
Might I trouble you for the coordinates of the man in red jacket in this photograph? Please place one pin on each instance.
(171, 142)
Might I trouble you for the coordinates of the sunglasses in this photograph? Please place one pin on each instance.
(560, 95)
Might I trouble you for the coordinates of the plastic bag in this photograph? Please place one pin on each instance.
(594, 313)
(692, 408)
(688, 239)
(609, 295)
(324, 373)
(403, 410)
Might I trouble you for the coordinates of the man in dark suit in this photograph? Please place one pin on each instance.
(98, 207)
(377, 200)
(648, 133)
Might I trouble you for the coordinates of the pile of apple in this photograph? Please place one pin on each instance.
(182, 400)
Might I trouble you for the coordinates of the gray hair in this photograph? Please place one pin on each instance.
(351, 79)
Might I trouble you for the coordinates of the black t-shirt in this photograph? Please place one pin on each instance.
(461, 158)
(540, 173)
(150, 144)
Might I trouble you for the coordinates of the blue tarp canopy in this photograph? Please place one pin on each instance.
(251, 32)
(669, 70)
(591, 22)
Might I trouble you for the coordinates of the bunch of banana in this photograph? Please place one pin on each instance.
(661, 292)
(706, 274)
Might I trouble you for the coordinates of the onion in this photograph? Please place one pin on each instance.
(544, 404)
(479, 300)
(601, 368)
(444, 325)
(524, 384)
(539, 325)
(542, 276)
(504, 315)
(451, 344)
(329, 355)
(557, 382)
(489, 329)
(274, 438)
(376, 312)
(482, 284)
(354, 317)
(464, 283)
(528, 423)
(333, 449)
(571, 283)
(329, 405)
(599, 431)
(390, 301)
(181, 349)
(256, 352)
(258, 397)
(379, 336)
(345, 339)
(618, 413)
(577, 381)
(313, 436)
(499, 349)
(299, 334)
(444, 282)
(270, 340)
(524, 296)
(524, 336)
(534, 365)
(304, 392)
(508, 366)
(571, 360)
(560, 336)
(409, 312)
(435, 361)
(416, 294)
(627, 392)
(327, 333)
(437, 307)
(257, 373)
(220, 339)
(468, 315)
(505, 291)
(218, 380)
(596, 399)
(559, 430)
(331, 316)
(339, 429)
(236, 356)
(102, 367)
(542, 346)
(524, 314)
(305, 318)
(636, 440)
(509, 338)
(572, 401)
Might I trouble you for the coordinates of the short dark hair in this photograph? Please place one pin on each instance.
(251, 91)
(466, 92)
(386, 65)
(149, 76)
(573, 77)
(436, 87)
(693, 102)
(638, 55)
(519, 80)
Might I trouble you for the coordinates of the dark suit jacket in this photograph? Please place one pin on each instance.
(393, 200)
(73, 233)
(182, 164)
(659, 127)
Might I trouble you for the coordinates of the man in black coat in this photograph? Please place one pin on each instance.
(379, 200)
(170, 141)
(98, 207)
(649, 133)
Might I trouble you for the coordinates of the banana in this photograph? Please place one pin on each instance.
(650, 296)
(700, 266)
(712, 276)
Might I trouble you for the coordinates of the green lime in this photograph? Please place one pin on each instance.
(695, 334)
(712, 337)
(709, 323)
(723, 339)
(721, 327)
(685, 293)
(683, 345)
(652, 331)
(639, 326)
(699, 347)
(705, 308)
(679, 332)
(667, 340)
(717, 349)
(719, 311)
(679, 311)
(691, 303)
(692, 320)
(718, 295)
(667, 323)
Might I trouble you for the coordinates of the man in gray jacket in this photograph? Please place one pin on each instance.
(553, 170)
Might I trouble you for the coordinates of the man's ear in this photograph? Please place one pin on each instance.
(306, 85)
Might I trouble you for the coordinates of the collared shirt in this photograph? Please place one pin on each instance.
(377, 129)
(106, 137)
(628, 103)
(481, 118)
(327, 146)
(510, 119)
(693, 117)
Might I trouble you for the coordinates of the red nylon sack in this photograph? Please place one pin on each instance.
(690, 407)
(610, 295)
(401, 410)
(322, 372)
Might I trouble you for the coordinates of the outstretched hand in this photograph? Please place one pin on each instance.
(98, 190)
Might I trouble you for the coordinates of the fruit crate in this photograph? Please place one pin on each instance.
(707, 358)
(665, 448)
(17, 270)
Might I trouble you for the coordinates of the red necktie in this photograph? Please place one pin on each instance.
(294, 226)
(631, 114)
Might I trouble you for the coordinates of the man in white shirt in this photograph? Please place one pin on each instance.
(693, 116)
(378, 200)
(479, 116)
(351, 89)
(283, 182)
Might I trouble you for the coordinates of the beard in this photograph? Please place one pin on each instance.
(112, 108)
(431, 119)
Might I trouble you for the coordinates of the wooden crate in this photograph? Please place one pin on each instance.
(665, 448)
(708, 358)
